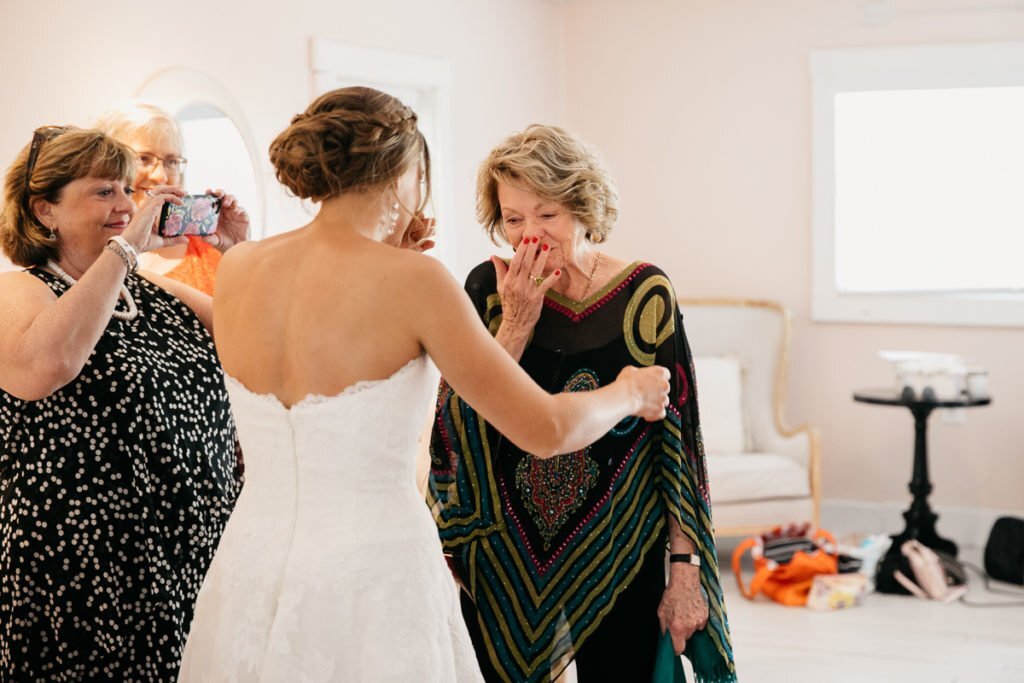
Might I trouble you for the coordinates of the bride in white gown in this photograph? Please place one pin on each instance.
(330, 568)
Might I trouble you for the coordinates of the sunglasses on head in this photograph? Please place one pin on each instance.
(41, 135)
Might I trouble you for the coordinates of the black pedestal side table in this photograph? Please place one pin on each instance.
(920, 517)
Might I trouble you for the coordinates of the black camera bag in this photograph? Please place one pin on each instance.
(1004, 551)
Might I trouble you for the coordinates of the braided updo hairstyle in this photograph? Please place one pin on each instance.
(350, 139)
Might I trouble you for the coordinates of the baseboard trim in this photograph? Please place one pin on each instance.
(968, 527)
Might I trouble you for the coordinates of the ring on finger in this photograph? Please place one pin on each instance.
(537, 280)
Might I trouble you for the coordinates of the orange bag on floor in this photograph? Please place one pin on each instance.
(786, 560)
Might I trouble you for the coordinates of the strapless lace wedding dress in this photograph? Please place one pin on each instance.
(330, 568)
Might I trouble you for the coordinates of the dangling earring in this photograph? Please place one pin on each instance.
(53, 235)
(393, 218)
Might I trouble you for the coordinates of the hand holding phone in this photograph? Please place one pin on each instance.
(141, 232)
(198, 214)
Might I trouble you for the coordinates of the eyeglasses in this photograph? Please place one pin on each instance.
(39, 136)
(172, 165)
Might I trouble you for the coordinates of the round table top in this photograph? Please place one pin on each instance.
(891, 397)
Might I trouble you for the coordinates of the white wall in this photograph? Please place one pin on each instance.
(64, 62)
(703, 110)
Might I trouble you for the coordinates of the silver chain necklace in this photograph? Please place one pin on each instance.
(131, 314)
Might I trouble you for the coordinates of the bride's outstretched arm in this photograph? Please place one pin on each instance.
(483, 374)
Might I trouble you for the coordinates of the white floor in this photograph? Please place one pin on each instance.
(888, 638)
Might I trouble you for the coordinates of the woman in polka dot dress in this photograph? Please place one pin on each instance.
(117, 446)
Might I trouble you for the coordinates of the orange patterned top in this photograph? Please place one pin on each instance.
(198, 267)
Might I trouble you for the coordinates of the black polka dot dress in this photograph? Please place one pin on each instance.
(114, 492)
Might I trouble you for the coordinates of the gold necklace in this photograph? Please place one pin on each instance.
(590, 278)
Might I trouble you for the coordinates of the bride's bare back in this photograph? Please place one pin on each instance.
(313, 313)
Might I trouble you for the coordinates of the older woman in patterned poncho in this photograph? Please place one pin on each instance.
(564, 559)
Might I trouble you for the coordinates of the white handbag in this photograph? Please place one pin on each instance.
(931, 578)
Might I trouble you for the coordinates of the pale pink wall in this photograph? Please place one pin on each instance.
(64, 62)
(702, 108)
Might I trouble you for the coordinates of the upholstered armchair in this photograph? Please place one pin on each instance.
(762, 473)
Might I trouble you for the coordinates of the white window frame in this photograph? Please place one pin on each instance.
(335, 64)
(897, 68)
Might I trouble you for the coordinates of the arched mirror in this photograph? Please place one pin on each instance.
(217, 155)
(218, 143)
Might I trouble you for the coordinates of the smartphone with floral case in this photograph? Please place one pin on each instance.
(197, 215)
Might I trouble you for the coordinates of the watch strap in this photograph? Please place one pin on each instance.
(685, 558)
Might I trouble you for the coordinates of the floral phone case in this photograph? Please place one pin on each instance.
(197, 215)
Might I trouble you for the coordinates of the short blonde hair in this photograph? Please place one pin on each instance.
(131, 119)
(556, 165)
(62, 155)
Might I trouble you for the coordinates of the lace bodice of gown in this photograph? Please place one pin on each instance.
(330, 568)
(357, 443)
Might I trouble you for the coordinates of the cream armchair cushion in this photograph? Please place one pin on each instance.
(761, 472)
(747, 476)
(720, 384)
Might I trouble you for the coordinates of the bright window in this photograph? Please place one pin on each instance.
(919, 185)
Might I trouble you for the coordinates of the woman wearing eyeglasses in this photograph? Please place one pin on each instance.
(157, 141)
(118, 465)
